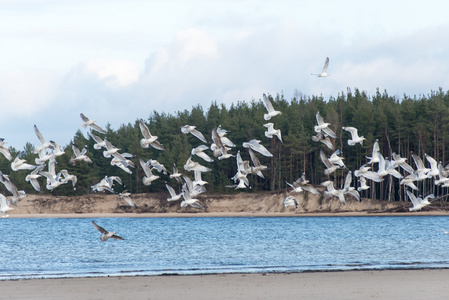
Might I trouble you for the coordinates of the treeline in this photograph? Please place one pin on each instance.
(419, 124)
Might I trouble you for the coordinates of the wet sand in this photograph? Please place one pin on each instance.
(391, 284)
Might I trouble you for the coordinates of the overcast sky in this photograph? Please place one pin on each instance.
(118, 61)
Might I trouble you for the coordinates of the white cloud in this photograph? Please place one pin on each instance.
(26, 92)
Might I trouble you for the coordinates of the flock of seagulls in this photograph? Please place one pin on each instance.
(220, 147)
(375, 170)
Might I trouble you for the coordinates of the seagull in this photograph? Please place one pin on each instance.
(57, 149)
(330, 167)
(256, 146)
(374, 158)
(199, 151)
(157, 165)
(11, 187)
(4, 206)
(189, 201)
(69, 177)
(337, 160)
(442, 176)
(194, 190)
(79, 155)
(91, 123)
(290, 201)
(193, 165)
(269, 106)
(324, 127)
(125, 195)
(176, 173)
(105, 235)
(363, 186)
(107, 183)
(323, 72)
(33, 176)
(198, 180)
(173, 195)
(445, 231)
(433, 166)
(44, 144)
(122, 164)
(417, 202)
(21, 164)
(304, 183)
(331, 191)
(323, 138)
(149, 176)
(257, 166)
(5, 151)
(272, 132)
(355, 138)
(421, 170)
(296, 187)
(222, 132)
(149, 139)
(348, 189)
(191, 129)
(402, 162)
(99, 142)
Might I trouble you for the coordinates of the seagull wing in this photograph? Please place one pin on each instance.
(99, 228)
(326, 64)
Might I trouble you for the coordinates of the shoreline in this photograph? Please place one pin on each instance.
(225, 214)
(351, 284)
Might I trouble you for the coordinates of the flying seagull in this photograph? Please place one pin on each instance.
(91, 123)
(105, 235)
(323, 72)
(269, 106)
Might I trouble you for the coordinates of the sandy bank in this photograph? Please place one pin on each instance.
(239, 204)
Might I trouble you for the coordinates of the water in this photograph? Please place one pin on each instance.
(55, 248)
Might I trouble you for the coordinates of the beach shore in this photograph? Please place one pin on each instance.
(385, 284)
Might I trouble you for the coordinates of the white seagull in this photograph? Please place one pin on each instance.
(324, 71)
(256, 146)
(290, 201)
(191, 129)
(44, 144)
(125, 195)
(272, 132)
(173, 195)
(323, 126)
(33, 176)
(91, 123)
(355, 138)
(269, 106)
(5, 151)
(149, 176)
(149, 139)
(4, 206)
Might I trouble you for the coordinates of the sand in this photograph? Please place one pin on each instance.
(391, 284)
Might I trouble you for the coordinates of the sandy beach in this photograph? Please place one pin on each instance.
(391, 284)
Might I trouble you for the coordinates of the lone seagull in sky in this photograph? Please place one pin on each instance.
(105, 235)
(323, 73)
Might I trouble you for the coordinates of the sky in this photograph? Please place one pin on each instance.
(119, 61)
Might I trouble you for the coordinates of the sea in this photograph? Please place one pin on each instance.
(71, 247)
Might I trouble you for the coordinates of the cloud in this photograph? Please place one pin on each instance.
(26, 92)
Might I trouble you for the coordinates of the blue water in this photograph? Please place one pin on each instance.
(51, 248)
